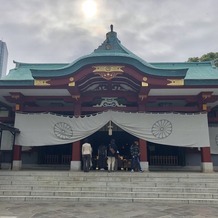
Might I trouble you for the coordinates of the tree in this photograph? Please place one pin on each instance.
(211, 56)
(194, 59)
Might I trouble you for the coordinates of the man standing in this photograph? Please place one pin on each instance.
(111, 153)
(135, 153)
(86, 155)
(102, 155)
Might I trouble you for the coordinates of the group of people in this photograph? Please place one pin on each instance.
(110, 153)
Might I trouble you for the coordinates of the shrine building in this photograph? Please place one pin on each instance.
(171, 108)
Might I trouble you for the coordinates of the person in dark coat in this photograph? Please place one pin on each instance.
(111, 154)
(102, 155)
(135, 153)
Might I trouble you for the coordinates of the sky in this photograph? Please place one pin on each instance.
(60, 31)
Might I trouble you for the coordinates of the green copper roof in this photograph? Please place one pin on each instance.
(111, 51)
(204, 73)
(21, 74)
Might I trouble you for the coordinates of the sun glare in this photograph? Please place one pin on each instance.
(89, 8)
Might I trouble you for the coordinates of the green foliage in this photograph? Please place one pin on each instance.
(211, 56)
(194, 59)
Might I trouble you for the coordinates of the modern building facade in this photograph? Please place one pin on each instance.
(3, 58)
(170, 108)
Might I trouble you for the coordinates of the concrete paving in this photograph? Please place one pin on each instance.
(105, 210)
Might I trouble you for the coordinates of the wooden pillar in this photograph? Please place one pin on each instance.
(0, 149)
(76, 147)
(76, 151)
(17, 163)
(205, 154)
(143, 154)
(16, 151)
(206, 161)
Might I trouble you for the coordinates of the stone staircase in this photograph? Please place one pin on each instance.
(47, 186)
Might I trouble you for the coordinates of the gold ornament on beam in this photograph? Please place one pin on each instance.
(41, 82)
(176, 82)
(204, 107)
(108, 72)
(72, 82)
(17, 107)
(144, 82)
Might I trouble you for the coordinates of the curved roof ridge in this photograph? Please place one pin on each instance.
(111, 47)
(24, 64)
(111, 51)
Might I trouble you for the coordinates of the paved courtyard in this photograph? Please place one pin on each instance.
(105, 210)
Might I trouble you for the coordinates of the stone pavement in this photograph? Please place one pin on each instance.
(105, 210)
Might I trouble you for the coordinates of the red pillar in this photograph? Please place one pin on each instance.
(17, 163)
(205, 155)
(143, 155)
(17, 152)
(206, 161)
(143, 150)
(76, 148)
(76, 151)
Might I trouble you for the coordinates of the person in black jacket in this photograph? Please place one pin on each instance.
(102, 155)
(135, 153)
(111, 154)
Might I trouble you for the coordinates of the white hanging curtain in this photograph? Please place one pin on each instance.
(187, 130)
(6, 140)
(213, 133)
(49, 129)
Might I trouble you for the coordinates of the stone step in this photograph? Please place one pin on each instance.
(130, 194)
(105, 178)
(142, 177)
(105, 173)
(111, 184)
(103, 186)
(108, 188)
(107, 199)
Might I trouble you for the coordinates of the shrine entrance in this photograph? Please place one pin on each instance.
(123, 141)
(158, 155)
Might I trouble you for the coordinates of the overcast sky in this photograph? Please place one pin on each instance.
(60, 31)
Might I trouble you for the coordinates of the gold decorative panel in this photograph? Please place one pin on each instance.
(204, 107)
(144, 82)
(108, 68)
(72, 82)
(17, 107)
(108, 72)
(41, 82)
(176, 82)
